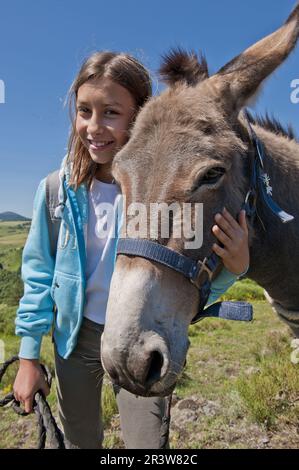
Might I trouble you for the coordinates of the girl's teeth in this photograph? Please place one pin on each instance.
(100, 144)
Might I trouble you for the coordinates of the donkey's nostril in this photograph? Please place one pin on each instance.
(155, 364)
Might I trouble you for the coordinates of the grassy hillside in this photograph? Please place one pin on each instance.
(239, 388)
(13, 235)
(12, 217)
(12, 239)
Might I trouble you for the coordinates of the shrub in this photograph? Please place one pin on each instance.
(11, 287)
(7, 319)
(244, 290)
(272, 391)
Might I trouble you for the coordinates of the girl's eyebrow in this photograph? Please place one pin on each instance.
(115, 103)
(82, 103)
(112, 103)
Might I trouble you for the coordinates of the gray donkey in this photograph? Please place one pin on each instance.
(193, 144)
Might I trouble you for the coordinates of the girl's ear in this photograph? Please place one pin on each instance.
(240, 79)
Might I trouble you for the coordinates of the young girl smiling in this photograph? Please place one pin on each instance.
(68, 290)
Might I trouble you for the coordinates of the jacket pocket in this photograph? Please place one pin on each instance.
(67, 293)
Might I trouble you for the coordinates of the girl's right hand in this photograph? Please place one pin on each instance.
(30, 378)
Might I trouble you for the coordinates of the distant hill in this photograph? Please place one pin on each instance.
(12, 217)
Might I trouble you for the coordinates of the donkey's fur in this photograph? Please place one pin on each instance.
(195, 125)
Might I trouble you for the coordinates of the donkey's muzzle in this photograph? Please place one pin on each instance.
(142, 367)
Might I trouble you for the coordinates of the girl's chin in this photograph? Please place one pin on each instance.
(101, 159)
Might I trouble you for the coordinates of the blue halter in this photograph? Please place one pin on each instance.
(260, 182)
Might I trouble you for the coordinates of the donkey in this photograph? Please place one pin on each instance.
(193, 143)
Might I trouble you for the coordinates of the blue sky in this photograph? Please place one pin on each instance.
(43, 43)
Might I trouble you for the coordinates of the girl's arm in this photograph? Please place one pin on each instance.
(35, 312)
(234, 253)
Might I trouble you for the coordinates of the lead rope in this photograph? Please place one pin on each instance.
(47, 426)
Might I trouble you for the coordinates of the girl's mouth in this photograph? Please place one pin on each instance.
(99, 145)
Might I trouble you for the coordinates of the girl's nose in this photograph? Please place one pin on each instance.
(95, 126)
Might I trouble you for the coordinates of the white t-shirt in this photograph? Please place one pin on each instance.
(101, 244)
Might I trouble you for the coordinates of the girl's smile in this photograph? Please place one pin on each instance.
(100, 146)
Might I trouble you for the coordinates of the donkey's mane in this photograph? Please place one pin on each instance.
(182, 66)
(272, 124)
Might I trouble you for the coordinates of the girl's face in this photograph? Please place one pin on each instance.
(104, 113)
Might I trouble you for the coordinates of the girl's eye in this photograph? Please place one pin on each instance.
(110, 112)
(210, 177)
(81, 109)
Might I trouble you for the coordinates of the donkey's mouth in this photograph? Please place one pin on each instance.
(155, 391)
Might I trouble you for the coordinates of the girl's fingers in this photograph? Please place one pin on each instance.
(28, 404)
(221, 236)
(219, 251)
(224, 225)
(243, 221)
(230, 219)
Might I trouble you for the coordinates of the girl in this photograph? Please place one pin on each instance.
(69, 289)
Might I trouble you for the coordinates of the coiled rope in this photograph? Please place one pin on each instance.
(47, 426)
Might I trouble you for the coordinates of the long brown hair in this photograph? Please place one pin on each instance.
(124, 70)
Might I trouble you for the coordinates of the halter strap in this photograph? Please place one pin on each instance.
(200, 273)
(153, 251)
(260, 183)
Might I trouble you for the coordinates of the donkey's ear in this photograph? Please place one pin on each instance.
(181, 66)
(241, 78)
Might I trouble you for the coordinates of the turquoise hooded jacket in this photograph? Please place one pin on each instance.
(54, 288)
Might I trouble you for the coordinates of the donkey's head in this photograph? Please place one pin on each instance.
(187, 145)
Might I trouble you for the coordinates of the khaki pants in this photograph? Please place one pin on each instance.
(79, 383)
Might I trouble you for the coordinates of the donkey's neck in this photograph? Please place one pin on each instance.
(275, 249)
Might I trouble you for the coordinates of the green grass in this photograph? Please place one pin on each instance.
(11, 287)
(13, 234)
(246, 368)
(242, 369)
(11, 258)
(244, 290)
(7, 317)
(273, 391)
(108, 403)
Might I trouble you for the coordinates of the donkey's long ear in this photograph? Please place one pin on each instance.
(240, 78)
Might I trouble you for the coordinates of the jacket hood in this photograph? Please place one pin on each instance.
(81, 193)
(64, 174)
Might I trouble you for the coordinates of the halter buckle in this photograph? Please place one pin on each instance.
(201, 267)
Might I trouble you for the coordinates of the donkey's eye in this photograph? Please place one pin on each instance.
(210, 177)
(213, 175)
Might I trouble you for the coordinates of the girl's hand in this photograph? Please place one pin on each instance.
(234, 237)
(30, 378)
